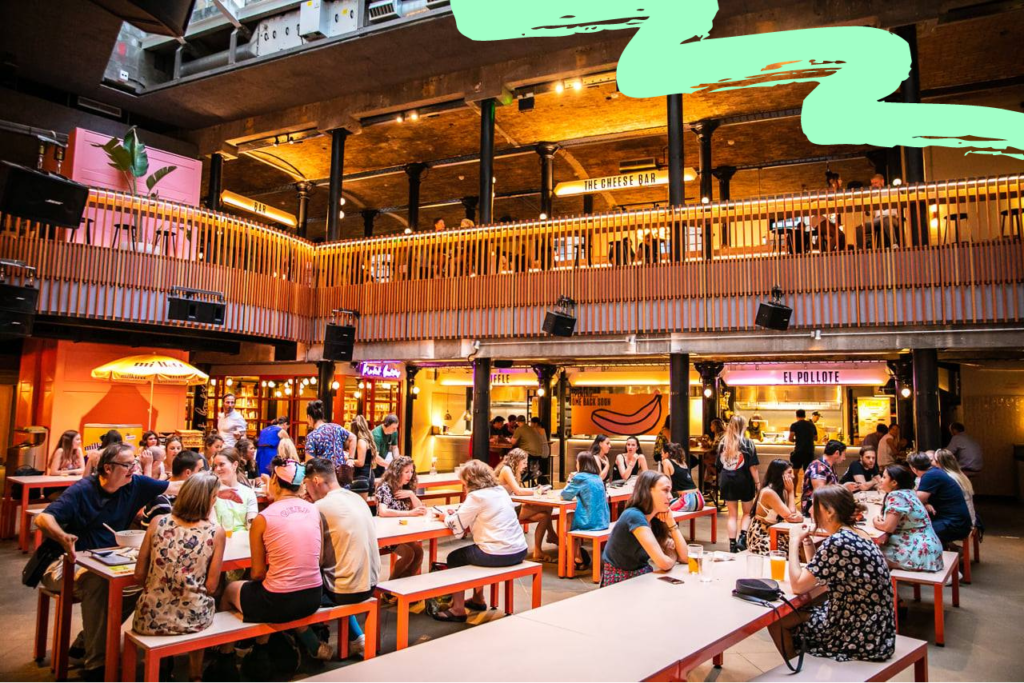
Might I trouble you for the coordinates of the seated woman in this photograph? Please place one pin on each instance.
(171, 449)
(510, 476)
(287, 544)
(67, 457)
(396, 497)
(236, 506)
(592, 512)
(909, 541)
(212, 445)
(673, 465)
(599, 449)
(947, 462)
(179, 568)
(645, 531)
(498, 541)
(854, 619)
(863, 474)
(775, 502)
(92, 457)
(366, 454)
(631, 463)
(247, 467)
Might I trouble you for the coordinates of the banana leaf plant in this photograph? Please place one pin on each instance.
(129, 156)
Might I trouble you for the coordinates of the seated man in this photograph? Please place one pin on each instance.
(79, 520)
(351, 559)
(943, 498)
(966, 449)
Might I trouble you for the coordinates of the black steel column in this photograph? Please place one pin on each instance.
(324, 380)
(547, 151)
(926, 399)
(910, 90)
(410, 396)
(488, 110)
(903, 372)
(470, 204)
(215, 183)
(305, 188)
(588, 204)
(724, 175)
(369, 215)
(676, 188)
(679, 397)
(415, 173)
(563, 420)
(338, 137)
(545, 373)
(704, 130)
(481, 445)
(709, 372)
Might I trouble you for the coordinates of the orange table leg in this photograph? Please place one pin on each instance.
(693, 530)
(114, 596)
(563, 556)
(956, 590)
(370, 651)
(151, 667)
(42, 626)
(343, 636)
(23, 531)
(62, 639)
(940, 618)
(494, 595)
(714, 527)
(536, 593)
(596, 560)
(433, 551)
(718, 660)
(967, 559)
(895, 605)
(773, 536)
(402, 629)
(129, 660)
(510, 598)
(977, 546)
(921, 669)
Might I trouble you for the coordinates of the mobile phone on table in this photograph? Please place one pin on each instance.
(671, 579)
(438, 510)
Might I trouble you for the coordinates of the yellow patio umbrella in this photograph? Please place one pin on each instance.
(151, 369)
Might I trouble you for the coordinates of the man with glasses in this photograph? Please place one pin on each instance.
(79, 521)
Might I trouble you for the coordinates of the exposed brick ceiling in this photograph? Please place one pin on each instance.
(966, 52)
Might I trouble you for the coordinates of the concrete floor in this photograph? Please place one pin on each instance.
(983, 636)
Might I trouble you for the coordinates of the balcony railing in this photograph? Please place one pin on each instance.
(941, 253)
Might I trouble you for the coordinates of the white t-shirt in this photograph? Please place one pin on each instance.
(490, 515)
(232, 515)
(885, 450)
(351, 561)
(228, 424)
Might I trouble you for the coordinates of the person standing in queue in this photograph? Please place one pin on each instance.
(230, 424)
(738, 480)
(803, 434)
(267, 442)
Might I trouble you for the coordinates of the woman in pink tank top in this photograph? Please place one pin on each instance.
(286, 542)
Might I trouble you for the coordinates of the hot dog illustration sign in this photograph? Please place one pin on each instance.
(617, 414)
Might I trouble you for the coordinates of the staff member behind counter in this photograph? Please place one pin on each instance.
(804, 435)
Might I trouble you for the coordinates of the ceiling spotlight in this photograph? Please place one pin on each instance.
(342, 201)
(543, 216)
(357, 394)
(897, 182)
(335, 386)
(213, 382)
(277, 394)
(312, 380)
(905, 392)
(708, 392)
(399, 119)
(408, 231)
(341, 214)
(577, 85)
(705, 200)
(416, 390)
(414, 116)
(362, 385)
(305, 381)
(263, 384)
(540, 392)
(271, 384)
(559, 87)
(288, 390)
(228, 381)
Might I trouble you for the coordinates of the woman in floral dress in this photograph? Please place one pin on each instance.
(909, 541)
(179, 567)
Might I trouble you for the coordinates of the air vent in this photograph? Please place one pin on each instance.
(105, 109)
(635, 165)
(382, 10)
(438, 3)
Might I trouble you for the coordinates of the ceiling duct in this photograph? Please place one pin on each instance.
(162, 17)
(636, 165)
(382, 10)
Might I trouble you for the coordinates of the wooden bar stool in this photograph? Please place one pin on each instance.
(957, 219)
(168, 236)
(132, 235)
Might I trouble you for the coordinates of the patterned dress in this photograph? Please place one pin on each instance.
(174, 598)
(857, 620)
(759, 536)
(328, 441)
(913, 545)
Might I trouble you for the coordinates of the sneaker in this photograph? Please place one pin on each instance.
(357, 647)
(324, 653)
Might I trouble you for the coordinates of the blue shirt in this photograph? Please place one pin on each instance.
(946, 496)
(623, 550)
(266, 447)
(85, 507)
(591, 502)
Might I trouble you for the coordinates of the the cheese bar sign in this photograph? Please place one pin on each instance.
(864, 374)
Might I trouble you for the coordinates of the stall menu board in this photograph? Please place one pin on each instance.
(132, 434)
(871, 411)
(617, 414)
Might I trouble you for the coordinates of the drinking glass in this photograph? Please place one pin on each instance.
(694, 553)
(778, 560)
(755, 565)
(707, 567)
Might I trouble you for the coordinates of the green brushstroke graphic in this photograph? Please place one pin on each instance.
(855, 67)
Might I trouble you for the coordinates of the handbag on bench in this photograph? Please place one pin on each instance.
(765, 592)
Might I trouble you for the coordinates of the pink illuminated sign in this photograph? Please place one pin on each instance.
(380, 371)
(805, 374)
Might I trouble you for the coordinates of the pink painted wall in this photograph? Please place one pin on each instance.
(89, 165)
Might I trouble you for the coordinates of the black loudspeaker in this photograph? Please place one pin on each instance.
(17, 310)
(43, 197)
(559, 324)
(339, 342)
(195, 310)
(773, 316)
(164, 17)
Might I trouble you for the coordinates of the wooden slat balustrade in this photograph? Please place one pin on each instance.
(941, 253)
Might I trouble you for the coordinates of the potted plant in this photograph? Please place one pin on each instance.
(129, 156)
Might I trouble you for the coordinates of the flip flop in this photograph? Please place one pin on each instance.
(478, 606)
(447, 615)
(545, 559)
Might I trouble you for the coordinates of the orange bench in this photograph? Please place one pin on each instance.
(908, 651)
(228, 627)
